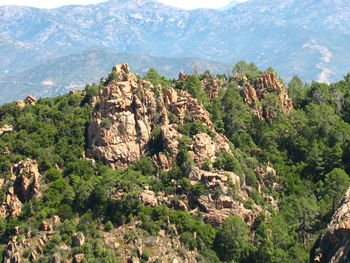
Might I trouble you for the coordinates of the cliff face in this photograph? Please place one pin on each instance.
(127, 112)
(335, 243)
(254, 93)
(121, 123)
(25, 178)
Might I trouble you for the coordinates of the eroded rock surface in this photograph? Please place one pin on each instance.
(335, 243)
(266, 84)
(25, 178)
(213, 86)
(27, 182)
(12, 206)
(128, 111)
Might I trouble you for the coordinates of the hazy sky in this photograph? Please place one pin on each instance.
(187, 4)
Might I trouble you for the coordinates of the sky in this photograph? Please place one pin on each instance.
(186, 4)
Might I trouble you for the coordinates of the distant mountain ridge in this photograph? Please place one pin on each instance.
(306, 38)
(71, 72)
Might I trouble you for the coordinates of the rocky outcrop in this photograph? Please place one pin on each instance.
(212, 86)
(166, 246)
(29, 100)
(204, 147)
(121, 130)
(25, 178)
(27, 182)
(148, 198)
(121, 124)
(6, 129)
(11, 252)
(335, 243)
(217, 210)
(128, 111)
(266, 84)
(78, 239)
(12, 206)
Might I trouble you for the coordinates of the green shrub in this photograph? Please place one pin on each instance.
(108, 226)
(106, 123)
(188, 239)
(53, 175)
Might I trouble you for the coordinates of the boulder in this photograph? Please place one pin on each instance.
(29, 100)
(78, 258)
(46, 226)
(6, 129)
(78, 239)
(148, 198)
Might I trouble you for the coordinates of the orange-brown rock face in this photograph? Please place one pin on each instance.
(25, 177)
(212, 86)
(27, 182)
(12, 206)
(335, 243)
(265, 85)
(121, 125)
(129, 109)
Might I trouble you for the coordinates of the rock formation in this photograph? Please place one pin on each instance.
(266, 84)
(25, 178)
(212, 86)
(335, 243)
(11, 252)
(12, 206)
(29, 100)
(128, 111)
(27, 182)
(78, 239)
(6, 129)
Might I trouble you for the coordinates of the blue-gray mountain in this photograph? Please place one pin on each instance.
(71, 72)
(309, 38)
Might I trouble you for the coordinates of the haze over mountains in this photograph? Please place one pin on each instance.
(305, 38)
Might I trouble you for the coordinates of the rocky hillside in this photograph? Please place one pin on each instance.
(134, 118)
(203, 168)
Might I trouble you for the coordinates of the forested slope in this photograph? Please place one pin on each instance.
(207, 168)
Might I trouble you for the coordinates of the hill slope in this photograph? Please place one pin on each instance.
(199, 169)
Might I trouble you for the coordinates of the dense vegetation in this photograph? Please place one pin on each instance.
(310, 149)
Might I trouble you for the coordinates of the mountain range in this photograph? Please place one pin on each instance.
(72, 72)
(305, 38)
